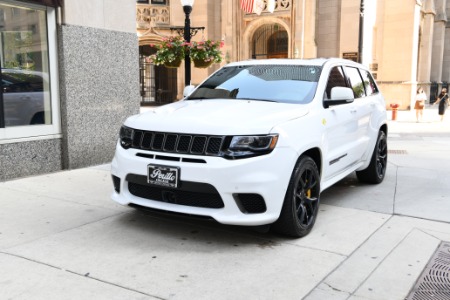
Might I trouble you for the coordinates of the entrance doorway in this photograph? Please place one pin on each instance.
(157, 84)
(270, 41)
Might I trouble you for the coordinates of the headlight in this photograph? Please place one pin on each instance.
(248, 146)
(126, 137)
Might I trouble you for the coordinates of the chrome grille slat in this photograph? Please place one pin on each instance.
(178, 143)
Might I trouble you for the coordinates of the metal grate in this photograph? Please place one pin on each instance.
(177, 143)
(434, 282)
(397, 152)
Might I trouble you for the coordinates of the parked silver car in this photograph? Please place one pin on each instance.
(23, 97)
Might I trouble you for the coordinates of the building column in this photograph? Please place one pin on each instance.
(398, 53)
(426, 45)
(307, 48)
(446, 62)
(440, 22)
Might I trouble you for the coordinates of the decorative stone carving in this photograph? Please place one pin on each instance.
(148, 16)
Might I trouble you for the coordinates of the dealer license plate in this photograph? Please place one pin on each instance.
(163, 175)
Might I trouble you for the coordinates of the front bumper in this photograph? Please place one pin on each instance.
(267, 176)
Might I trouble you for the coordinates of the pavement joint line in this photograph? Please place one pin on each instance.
(395, 189)
(113, 284)
(78, 274)
(382, 261)
(31, 260)
(430, 232)
(323, 281)
(420, 218)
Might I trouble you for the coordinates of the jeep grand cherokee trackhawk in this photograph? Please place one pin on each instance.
(256, 143)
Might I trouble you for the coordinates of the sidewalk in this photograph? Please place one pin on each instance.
(61, 237)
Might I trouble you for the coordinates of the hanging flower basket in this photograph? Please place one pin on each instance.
(205, 53)
(202, 64)
(170, 52)
(173, 64)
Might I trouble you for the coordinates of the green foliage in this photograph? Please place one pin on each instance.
(206, 51)
(171, 49)
(175, 48)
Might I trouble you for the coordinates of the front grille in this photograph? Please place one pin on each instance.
(190, 193)
(250, 203)
(177, 143)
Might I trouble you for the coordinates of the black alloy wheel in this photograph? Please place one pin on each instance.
(302, 199)
(376, 170)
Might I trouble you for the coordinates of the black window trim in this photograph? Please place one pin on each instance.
(349, 84)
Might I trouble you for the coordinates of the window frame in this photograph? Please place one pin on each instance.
(37, 132)
(327, 94)
(348, 77)
(371, 82)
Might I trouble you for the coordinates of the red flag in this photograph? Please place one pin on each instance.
(247, 6)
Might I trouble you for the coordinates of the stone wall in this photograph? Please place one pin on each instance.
(99, 79)
(27, 158)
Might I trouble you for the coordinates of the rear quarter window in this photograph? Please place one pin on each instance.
(356, 82)
(369, 83)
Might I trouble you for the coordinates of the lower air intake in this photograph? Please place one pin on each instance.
(251, 203)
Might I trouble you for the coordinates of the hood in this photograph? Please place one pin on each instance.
(217, 117)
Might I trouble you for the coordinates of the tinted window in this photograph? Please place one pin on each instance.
(369, 83)
(356, 82)
(336, 78)
(25, 89)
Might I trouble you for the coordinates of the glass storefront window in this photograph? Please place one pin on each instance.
(24, 67)
(28, 98)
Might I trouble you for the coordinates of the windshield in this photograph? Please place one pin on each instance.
(276, 83)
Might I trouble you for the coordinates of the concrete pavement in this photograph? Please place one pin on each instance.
(61, 237)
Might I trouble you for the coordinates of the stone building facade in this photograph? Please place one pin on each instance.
(70, 76)
(406, 43)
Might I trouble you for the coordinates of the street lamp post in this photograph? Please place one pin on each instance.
(187, 8)
(187, 32)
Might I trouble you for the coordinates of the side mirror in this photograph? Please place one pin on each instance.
(340, 95)
(188, 90)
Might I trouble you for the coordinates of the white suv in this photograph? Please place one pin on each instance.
(256, 143)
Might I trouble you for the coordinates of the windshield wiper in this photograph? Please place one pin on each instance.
(253, 99)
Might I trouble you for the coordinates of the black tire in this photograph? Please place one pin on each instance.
(376, 170)
(301, 202)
